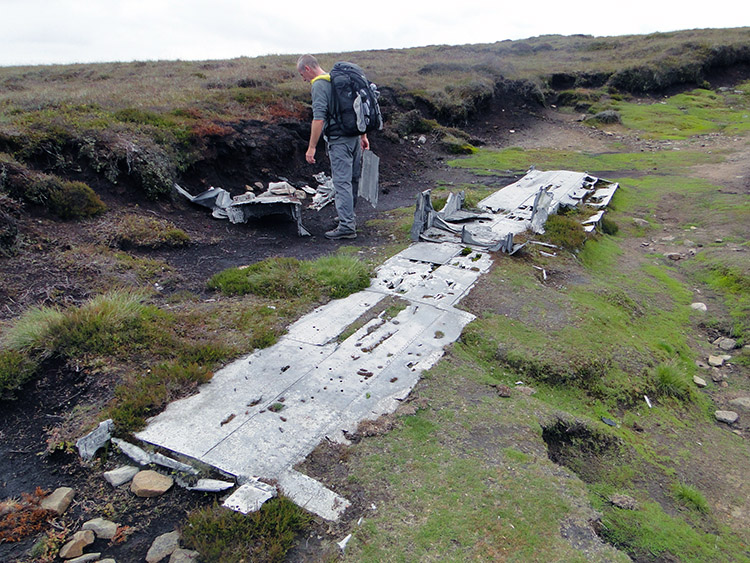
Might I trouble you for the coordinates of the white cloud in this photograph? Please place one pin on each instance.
(65, 31)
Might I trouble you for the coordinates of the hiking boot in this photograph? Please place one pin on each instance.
(339, 233)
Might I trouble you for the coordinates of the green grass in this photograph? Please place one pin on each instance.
(221, 535)
(651, 533)
(494, 161)
(697, 112)
(333, 276)
(99, 326)
(690, 497)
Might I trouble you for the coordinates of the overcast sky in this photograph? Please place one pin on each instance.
(82, 31)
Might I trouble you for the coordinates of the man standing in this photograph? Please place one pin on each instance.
(344, 152)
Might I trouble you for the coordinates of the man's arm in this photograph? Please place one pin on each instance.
(316, 130)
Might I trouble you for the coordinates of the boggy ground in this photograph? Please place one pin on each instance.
(44, 273)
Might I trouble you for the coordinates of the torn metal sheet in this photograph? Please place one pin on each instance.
(369, 179)
(521, 206)
(280, 198)
(261, 415)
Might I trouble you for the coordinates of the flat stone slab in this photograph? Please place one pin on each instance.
(120, 475)
(59, 501)
(727, 417)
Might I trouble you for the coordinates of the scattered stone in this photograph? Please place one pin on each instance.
(674, 256)
(87, 558)
(180, 555)
(121, 475)
(525, 390)
(59, 501)
(742, 403)
(74, 548)
(108, 560)
(725, 343)
(697, 306)
(623, 501)
(103, 529)
(422, 140)
(701, 364)
(699, 381)
(716, 361)
(163, 546)
(149, 483)
(89, 444)
(716, 375)
(640, 222)
(728, 417)
(503, 390)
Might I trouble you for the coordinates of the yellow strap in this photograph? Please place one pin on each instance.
(323, 76)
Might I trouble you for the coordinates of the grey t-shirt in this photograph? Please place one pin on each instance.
(321, 106)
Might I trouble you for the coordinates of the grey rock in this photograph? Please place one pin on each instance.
(716, 375)
(149, 483)
(741, 403)
(74, 547)
(699, 381)
(180, 555)
(163, 546)
(98, 438)
(725, 343)
(697, 306)
(728, 417)
(121, 475)
(640, 222)
(103, 529)
(59, 501)
(85, 558)
(674, 256)
(623, 501)
(107, 560)
(715, 361)
(607, 116)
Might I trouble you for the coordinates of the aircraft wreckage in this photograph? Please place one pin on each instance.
(519, 207)
(514, 209)
(328, 379)
(282, 197)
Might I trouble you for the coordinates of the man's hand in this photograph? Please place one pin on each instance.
(316, 130)
(365, 142)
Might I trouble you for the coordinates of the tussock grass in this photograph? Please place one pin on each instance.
(334, 276)
(138, 231)
(690, 497)
(222, 535)
(145, 394)
(669, 381)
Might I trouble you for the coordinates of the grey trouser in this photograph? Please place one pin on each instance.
(346, 167)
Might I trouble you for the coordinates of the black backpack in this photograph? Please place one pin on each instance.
(355, 102)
